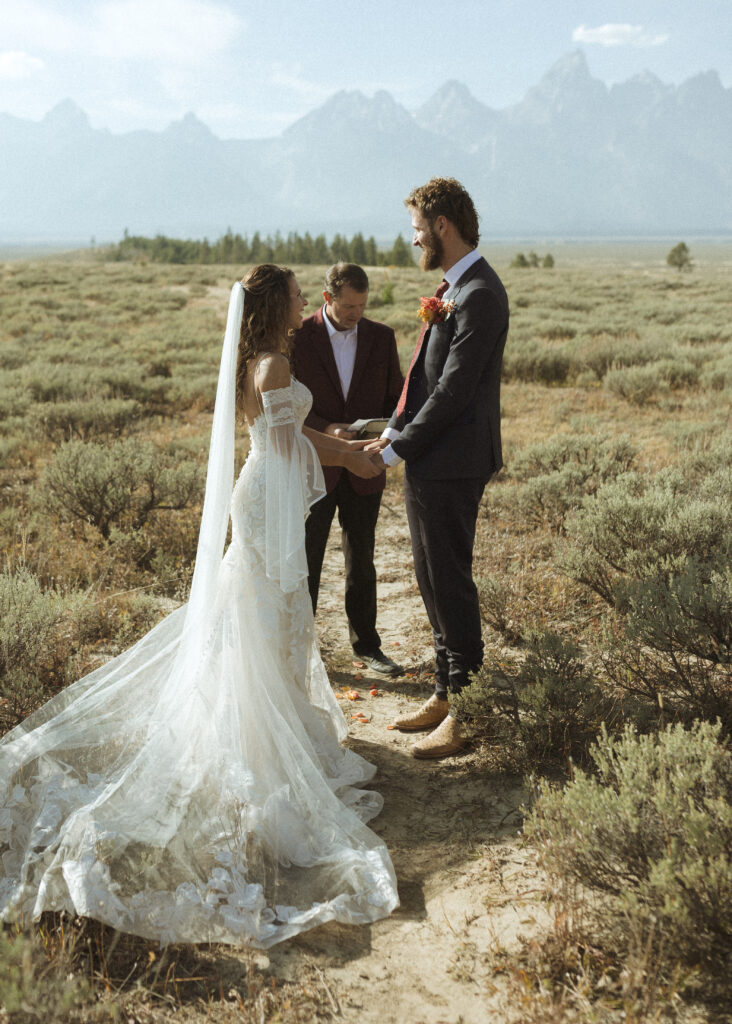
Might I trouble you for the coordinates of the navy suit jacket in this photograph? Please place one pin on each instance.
(375, 385)
(451, 423)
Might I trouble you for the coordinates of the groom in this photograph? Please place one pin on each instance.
(447, 429)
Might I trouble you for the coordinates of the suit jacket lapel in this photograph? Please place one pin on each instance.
(322, 345)
(363, 347)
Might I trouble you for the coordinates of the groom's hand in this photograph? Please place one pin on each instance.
(378, 445)
(340, 430)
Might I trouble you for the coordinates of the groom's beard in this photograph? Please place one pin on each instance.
(432, 252)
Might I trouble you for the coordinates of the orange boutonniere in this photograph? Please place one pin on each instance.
(433, 310)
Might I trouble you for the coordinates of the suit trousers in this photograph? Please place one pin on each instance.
(442, 516)
(357, 515)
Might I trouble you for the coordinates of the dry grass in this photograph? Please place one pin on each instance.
(159, 328)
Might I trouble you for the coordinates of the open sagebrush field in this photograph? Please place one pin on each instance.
(604, 564)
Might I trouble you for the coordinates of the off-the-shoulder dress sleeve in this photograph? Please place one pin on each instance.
(293, 483)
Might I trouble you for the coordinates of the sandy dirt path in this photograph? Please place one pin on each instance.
(468, 886)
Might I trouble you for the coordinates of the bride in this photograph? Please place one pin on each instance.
(195, 789)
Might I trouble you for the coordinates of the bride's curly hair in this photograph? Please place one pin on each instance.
(265, 326)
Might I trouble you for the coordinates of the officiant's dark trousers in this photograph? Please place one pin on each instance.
(442, 516)
(357, 515)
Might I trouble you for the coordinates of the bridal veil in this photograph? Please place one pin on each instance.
(195, 788)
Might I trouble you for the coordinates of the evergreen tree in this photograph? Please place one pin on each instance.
(400, 255)
(357, 249)
(339, 249)
(680, 257)
(321, 252)
(372, 253)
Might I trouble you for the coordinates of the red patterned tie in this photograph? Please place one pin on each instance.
(417, 349)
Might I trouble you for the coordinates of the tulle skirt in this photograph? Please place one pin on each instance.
(195, 788)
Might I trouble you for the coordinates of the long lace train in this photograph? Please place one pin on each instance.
(195, 788)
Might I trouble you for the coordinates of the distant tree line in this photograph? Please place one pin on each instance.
(235, 248)
(532, 260)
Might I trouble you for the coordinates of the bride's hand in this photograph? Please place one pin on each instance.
(377, 445)
(363, 464)
(358, 446)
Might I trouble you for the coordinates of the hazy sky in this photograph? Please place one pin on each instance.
(249, 69)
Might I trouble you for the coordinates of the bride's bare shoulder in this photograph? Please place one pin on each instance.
(273, 371)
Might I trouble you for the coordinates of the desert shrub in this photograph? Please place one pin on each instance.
(674, 649)
(13, 402)
(140, 613)
(718, 375)
(10, 448)
(615, 351)
(636, 384)
(160, 368)
(643, 530)
(384, 297)
(560, 472)
(652, 830)
(197, 391)
(107, 417)
(678, 373)
(537, 363)
(35, 988)
(57, 382)
(550, 703)
(125, 481)
(38, 634)
(602, 458)
(499, 606)
(660, 554)
(558, 332)
(28, 618)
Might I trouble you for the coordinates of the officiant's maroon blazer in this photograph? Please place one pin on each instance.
(375, 386)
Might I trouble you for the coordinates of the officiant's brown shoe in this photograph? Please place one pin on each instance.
(428, 716)
(446, 739)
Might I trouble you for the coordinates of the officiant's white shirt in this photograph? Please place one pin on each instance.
(343, 344)
(452, 276)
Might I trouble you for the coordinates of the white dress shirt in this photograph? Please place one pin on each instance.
(343, 344)
(452, 276)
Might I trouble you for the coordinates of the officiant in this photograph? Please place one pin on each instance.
(351, 365)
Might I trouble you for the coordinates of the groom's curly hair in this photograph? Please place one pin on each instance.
(446, 197)
(265, 325)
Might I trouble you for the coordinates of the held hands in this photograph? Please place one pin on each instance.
(377, 445)
(373, 450)
(365, 464)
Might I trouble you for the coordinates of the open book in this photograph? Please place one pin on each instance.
(368, 428)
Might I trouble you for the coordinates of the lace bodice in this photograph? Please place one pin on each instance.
(284, 405)
(279, 481)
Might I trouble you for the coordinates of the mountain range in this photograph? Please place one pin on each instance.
(574, 158)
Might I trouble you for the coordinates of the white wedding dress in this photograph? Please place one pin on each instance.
(195, 788)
